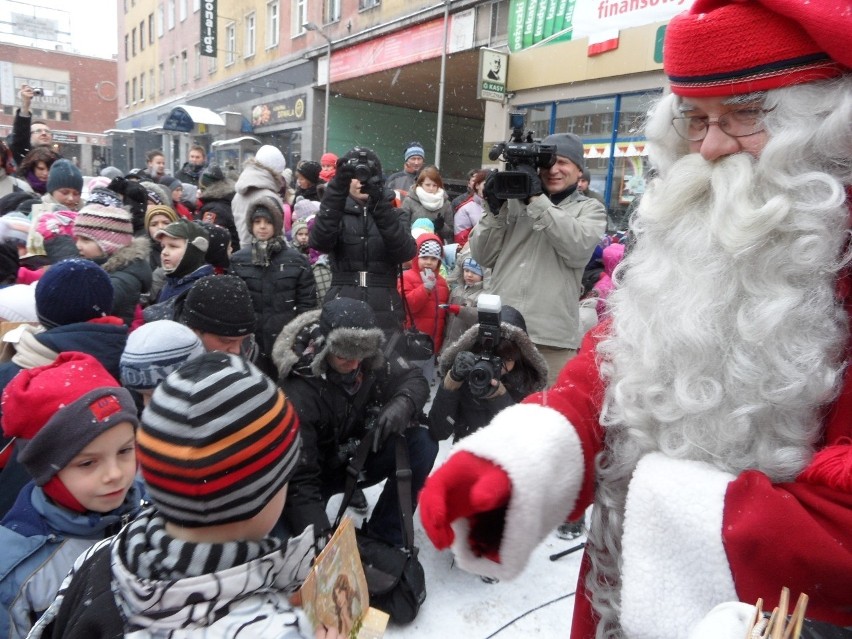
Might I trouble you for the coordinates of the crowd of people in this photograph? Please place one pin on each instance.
(192, 360)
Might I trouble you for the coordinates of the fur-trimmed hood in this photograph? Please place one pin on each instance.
(533, 360)
(138, 249)
(301, 348)
(221, 190)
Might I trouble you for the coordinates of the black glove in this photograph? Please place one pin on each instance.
(462, 365)
(535, 181)
(394, 419)
(439, 223)
(342, 176)
(494, 202)
(375, 188)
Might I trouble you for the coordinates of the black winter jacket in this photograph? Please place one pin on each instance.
(364, 238)
(216, 208)
(130, 272)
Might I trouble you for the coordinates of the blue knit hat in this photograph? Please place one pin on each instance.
(414, 149)
(472, 265)
(71, 291)
(64, 175)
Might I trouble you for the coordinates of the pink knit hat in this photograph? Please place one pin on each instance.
(110, 227)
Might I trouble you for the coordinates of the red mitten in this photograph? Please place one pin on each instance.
(451, 308)
(465, 486)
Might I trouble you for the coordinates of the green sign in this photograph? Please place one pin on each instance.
(658, 44)
(531, 21)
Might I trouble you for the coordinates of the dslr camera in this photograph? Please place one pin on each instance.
(488, 365)
(366, 170)
(513, 184)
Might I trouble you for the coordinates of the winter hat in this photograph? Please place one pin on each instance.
(348, 327)
(414, 149)
(309, 170)
(422, 225)
(9, 262)
(64, 175)
(270, 157)
(788, 42)
(211, 175)
(170, 182)
(11, 201)
(105, 197)
(53, 223)
(111, 172)
(69, 403)
(430, 248)
(14, 227)
(220, 240)
(197, 243)
(298, 225)
(303, 209)
(133, 195)
(217, 441)
(110, 227)
(73, 291)
(17, 303)
(190, 192)
(98, 182)
(137, 174)
(287, 174)
(154, 350)
(157, 193)
(160, 209)
(221, 305)
(328, 158)
(568, 146)
(261, 212)
(472, 265)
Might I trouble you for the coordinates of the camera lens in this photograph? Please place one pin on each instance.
(363, 173)
(38, 92)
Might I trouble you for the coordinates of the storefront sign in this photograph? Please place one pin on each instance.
(209, 15)
(492, 75)
(542, 21)
(290, 109)
(64, 138)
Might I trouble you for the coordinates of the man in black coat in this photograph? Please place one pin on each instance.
(344, 389)
(365, 236)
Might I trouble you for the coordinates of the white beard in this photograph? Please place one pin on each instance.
(727, 338)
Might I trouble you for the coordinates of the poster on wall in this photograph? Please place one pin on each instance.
(533, 22)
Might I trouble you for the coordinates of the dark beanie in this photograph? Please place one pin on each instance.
(197, 243)
(221, 305)
(349, 329)
(9, 262)
(170, 182)
(309, 170)
(11, 201)
(64, 175)
(220, 242)
(211, 175)
(72, 291)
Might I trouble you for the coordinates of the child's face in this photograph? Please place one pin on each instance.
(302, 237)
(41, 171)
(172, 253)
(88, 248)
(262, 229)
(471, 278)
(177, 194)
(156, 223)
(429, 262)
(102, 473)
(327, 167)
(429, 186)
(67, 197)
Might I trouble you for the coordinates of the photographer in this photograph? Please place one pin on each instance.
(538, 245)
(477, 385)
(365, 237)
(26, 133)
(334, 371)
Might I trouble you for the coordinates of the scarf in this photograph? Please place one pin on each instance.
(262, 251)
(430, 201)
(39, 186)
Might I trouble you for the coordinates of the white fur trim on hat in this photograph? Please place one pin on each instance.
(541, 452)
(271, 157)
(674, 566)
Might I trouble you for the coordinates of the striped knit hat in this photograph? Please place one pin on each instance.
(217, 441)
(110, 227)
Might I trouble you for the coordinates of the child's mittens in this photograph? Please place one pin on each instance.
(429, 278)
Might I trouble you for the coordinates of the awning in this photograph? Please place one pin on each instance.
(183, 118)
(232, 141)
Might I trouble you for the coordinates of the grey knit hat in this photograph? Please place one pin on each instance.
(568, 146)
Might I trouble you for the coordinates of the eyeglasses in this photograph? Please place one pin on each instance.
(738, 124)
(39, 131)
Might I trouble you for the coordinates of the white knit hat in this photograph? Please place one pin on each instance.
(271, 157)
(17, 303)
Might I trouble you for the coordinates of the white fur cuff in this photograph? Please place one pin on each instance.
(542, 454)
(674, 564)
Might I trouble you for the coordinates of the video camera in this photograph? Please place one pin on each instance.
(366, 170)
(512, 184)
(488, 365)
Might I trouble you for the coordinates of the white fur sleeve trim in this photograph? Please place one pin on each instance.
(541, 452)
(674, 566)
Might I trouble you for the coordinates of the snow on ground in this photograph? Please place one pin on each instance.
(539, 602)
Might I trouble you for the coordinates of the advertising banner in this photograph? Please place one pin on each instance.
(209, 16)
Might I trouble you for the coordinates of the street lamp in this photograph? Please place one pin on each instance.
(311, 26)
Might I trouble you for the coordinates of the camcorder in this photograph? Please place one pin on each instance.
(488, 365)
(366, 170)
(513, 184)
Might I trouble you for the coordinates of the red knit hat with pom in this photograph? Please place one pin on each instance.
(727, 47)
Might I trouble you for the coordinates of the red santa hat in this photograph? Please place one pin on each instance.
(726, 47)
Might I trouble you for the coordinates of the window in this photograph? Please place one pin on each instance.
(330, 11)
(196, 5)
(152, 83)
(142, 36)
(160, 21)
(126, 47)
(211, 65)
(127, 93)
(272, 24)
(162, 78)
(197, 60)
(251, 28)
(174, 73)
(151, 28)
(134, 90)
(142, 87)
(368, 4)
(230, 43)
(300, 16)
(182, 8)
(171, 14)
(184, 67)
(133, 42)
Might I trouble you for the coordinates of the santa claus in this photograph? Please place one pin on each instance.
(709, 420)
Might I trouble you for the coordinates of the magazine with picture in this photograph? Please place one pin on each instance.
(335, 592)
